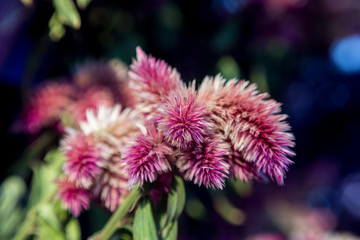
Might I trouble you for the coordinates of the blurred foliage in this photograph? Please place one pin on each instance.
(45, 218)
(12, 193)
(66, 13)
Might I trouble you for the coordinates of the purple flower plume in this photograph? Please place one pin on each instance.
(83, 155)
(147, 157)
(152, 80)
(242, 169)
(206, 163)
(184, 121)
(253, 124)
(72, 198)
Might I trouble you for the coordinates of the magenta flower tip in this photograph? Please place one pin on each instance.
(205, 164)
(147, 157)
(152, 80)
(252, 123)
(83, 155)
(72, 198)
(183, 121)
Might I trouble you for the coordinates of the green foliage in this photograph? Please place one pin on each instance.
(170, 231)
(175, 201)
(12, 192)
(72, 230)
(144, 224)
(83, 3)
(45, 218)
(67, 13)
(43, 181)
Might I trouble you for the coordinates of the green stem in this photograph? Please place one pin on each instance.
(124, 208)
(29, 222)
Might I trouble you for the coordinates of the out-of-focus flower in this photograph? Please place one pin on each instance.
(205, 163)
(300, 222)
(72, 198)
(45, 107)
(183, 120)
(152, 80)
(147, 157)
(253, 124)
(94, 153)
(88, 99)
(111, 75)
(84, 158)
(267, 236)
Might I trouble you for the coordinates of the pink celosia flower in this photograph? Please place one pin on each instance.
(111, 185)
(253, 124)
(46, 106)
(91, 98)
(242, 169)
(147, 157)
(84, 158)
(112, 129)
(111, 75)
(183, 120)
(72, 198)
(113, 125)
(205, 164)
(152, 80)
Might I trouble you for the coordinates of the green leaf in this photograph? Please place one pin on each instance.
(172, 204)
(43, 184)
(55, 159)
(180, 188)
(83, 3)
(170, 231)
(12, 192)
(175, 203)
(144, 225)
(72, 230)
(67, 13)
(45, 231)
(57, 29)
(48, 214)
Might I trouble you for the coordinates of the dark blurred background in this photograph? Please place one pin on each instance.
(305, 53)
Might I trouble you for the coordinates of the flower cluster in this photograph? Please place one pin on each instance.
(225, 129)
(64, 103)
(94, 166)
(163, 127)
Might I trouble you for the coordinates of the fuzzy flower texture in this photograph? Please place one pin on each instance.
(151, 124)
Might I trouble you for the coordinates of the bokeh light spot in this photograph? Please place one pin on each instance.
(228, 67)
(345, 53)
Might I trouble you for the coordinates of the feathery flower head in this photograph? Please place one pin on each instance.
(147, 157)
(112, 125)
(84, 158)
(205, 164)
(46, 106)
(242, 169)
(152, 80)
(183, 120)
(111, 185)
(72, 198)
(253, 124)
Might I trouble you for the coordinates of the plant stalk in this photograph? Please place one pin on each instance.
(115, 220)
